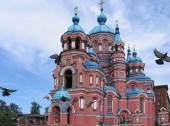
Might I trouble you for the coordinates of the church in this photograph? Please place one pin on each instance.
(96, 83)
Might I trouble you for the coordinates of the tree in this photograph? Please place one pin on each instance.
(6, 116)
(15, 110)
(35, 109)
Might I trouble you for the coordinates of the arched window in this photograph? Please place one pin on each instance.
(109, 104)
(81, 78)
(94, 105)
(68, 79)
(77, 43)
(81, 102)
(91, 79)
(141, 105)
(116, 47)
(69, 43)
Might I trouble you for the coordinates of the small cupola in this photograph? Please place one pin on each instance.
(117, 37)
(62, 95)
(75, 27)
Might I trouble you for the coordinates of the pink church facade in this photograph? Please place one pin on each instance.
(96, 84)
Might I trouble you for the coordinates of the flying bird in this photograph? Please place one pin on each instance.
(161, 57)
(89, 102)
(56, 57)
(6, 92)
(47, 97)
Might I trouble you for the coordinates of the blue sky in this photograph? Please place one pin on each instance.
(30, 32)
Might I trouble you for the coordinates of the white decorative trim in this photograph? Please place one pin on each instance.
(72, 107)
(67, 68)
(125, 110)
(54, 105)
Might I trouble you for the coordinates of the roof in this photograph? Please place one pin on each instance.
(75, 27)
(62, 93)
(133, 91)
(161, 86)
(110, 88)
(134, 57)
(102, 27)
(91, 65)
(139, 78)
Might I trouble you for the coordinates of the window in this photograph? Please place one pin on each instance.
(91, 79)
(101, 82)
(81, 103)
(82, 45)
(97, 80)
(69, 43)
(141, 105)
(56, 81)
(110, 47)
(116, 47)
(94, 105)
(81, 78)
(158, 102)
(68, 79)
(65, 46)
(77, 43)
(100, 47)
(109, 104)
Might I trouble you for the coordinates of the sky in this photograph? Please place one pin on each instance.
(30, 32)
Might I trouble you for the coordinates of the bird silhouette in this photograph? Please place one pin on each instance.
(161, 57)
(89, 102)
(56, 57)
(47, 97)
(6, 92)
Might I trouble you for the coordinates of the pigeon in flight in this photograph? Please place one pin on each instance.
(6, 92)
(47, 97)
(57, 58)
(161, 57)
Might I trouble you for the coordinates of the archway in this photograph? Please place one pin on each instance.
(69, 116)
(56, 111)
(125, 116)
(68, 79)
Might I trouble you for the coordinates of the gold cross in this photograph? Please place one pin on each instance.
(101, 4)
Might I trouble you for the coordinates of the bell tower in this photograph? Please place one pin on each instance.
(118, 62)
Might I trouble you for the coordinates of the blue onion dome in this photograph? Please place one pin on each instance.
(62, 94)
(102, 27)
(139, 78)
(92, 65)
(134, 58)
(75, 19)
(110, 88)
(102, 18)
(133, 91)
(75, 27)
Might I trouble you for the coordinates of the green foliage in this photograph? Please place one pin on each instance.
(8, 114)
(35, 109)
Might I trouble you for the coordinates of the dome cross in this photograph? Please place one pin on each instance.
(76, 9)
(101, 4)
